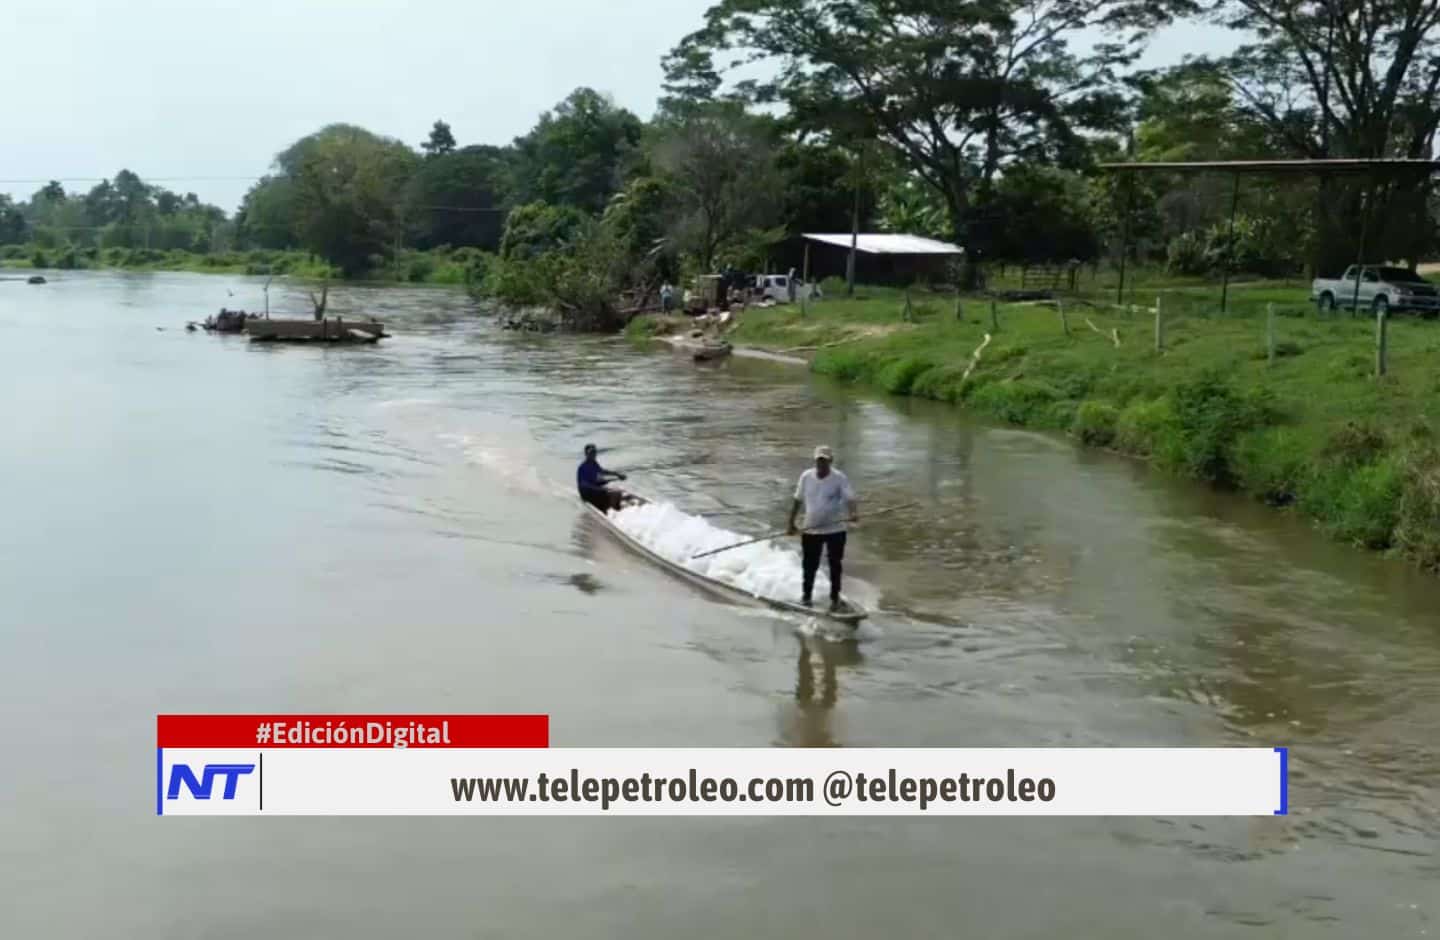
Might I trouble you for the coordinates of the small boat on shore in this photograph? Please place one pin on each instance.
(710, 351)
(850, 612)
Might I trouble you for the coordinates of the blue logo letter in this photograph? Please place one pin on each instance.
(200, 789)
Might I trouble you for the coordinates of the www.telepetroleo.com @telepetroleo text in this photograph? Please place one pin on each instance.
(836, 788)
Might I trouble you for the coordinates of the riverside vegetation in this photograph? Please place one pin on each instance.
(1312, 430)
(985, 122)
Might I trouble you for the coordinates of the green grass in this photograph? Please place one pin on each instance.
(1314, 431)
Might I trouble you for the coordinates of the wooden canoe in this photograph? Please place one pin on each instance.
(711, 351)
(852, 613)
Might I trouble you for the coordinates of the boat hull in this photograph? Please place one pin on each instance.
(329, 330)
(852, 615)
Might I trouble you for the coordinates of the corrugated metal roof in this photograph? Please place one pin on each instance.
(887, 244)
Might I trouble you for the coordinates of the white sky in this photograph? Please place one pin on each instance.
(210, 89)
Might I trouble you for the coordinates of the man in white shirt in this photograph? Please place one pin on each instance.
(829, 503)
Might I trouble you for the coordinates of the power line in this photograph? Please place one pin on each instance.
(156, 179)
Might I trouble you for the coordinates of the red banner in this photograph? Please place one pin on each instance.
(392, 731)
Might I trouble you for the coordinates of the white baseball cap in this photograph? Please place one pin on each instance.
(823, 451)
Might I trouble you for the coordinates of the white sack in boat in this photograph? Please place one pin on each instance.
(760, 570)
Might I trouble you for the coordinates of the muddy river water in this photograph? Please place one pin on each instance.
(195, 523)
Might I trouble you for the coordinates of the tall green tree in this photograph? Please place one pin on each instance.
(577, 154)
(457, 199)
(440, 142)
(268, 215)
(348, 188)
(958, 88)
(1337, 78)
(12, 222)
(817, 187)
(720, 164)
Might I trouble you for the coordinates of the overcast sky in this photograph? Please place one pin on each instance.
(206, 92)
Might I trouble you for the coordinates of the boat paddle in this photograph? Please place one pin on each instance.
(776, 535)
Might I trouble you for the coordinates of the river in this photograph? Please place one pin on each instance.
(195, 523)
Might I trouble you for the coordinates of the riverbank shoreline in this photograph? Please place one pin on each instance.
(1269, 400)
(415, 268)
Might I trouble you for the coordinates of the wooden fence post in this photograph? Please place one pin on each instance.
(1159, 326)
(909, 314)
(959, 310)
(994, 317)
(805, 281)
(1270, 334)
(1380, 342)
(1064, 323)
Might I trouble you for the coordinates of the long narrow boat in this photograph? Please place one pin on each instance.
(851, 613)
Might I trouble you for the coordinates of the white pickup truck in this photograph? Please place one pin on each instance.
(782, 289)
(1380, 289)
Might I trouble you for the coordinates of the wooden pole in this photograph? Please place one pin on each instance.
(1159, 326)
(1360, 258)
(1064, 323)
(854, 231)
(959, 311)
(1270, 334)
(1125, 235)
(1229, 245)
(994, 317)
(805, 281)
(1381, 344)
(909, 312)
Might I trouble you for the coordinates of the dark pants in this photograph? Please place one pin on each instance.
(811, 546)
(599, 497)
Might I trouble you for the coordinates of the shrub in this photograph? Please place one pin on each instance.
(39, 258)
(1143, 425)
(1186, 255)
(1020, 401)
(1417, 526)
(1095, 423)
(941, 383)
(848, 365)
(1273, 463)
(1209, 415)
(899, 376)
(1355, 444)
(1359, 505)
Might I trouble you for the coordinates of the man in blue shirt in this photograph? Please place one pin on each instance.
(591, 479)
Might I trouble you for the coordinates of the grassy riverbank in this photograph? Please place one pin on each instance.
(411, 267)
(1313, 430)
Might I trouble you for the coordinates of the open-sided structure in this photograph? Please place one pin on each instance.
(879, 257)
(1369, 170)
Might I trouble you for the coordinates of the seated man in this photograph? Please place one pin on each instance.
(591, 479)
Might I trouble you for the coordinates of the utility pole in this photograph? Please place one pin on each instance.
(854, 224)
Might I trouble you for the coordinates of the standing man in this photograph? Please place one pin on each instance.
(829, 503)
(591, 478)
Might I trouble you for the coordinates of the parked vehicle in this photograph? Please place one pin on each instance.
(1379, 289)
(778, 287)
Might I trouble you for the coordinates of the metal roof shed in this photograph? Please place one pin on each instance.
(888, 244)
(881, 257)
